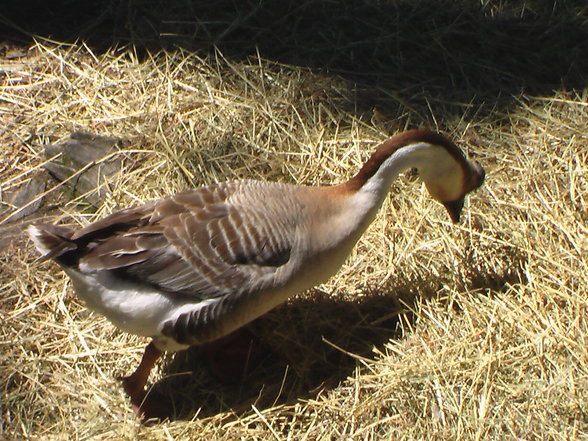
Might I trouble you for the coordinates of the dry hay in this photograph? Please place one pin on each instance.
(430, 331)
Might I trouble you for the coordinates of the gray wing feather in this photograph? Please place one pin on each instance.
(204, 243)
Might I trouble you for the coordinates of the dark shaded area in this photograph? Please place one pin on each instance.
(396, 51)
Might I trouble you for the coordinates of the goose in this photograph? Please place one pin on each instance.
(195, 266)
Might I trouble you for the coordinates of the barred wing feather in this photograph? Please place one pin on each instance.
(203, 243)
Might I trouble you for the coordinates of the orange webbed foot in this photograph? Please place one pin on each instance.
(146, 405)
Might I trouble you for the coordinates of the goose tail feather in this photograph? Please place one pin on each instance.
(52, 241)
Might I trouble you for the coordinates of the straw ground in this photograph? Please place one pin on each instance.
(430, 331)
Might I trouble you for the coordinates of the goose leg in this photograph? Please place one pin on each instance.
(231, 357)
(134, 384)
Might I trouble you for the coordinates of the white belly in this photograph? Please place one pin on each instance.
(133, 308)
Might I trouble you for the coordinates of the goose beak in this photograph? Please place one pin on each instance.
(454, 209)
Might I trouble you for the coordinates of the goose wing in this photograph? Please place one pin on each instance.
(203, 243)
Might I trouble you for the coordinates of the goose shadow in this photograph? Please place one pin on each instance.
(302, 348)
(296, 351)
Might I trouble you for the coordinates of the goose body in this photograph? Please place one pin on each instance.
(195, 266)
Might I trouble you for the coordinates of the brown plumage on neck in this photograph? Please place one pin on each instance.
(472, 173)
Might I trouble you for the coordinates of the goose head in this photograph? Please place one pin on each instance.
(449, 176)
(443, 167)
